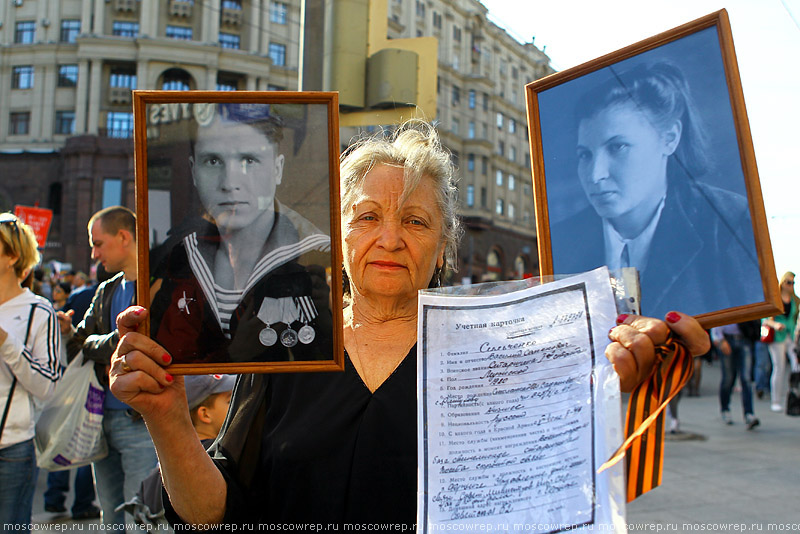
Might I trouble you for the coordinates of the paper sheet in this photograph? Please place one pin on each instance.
(518, 407)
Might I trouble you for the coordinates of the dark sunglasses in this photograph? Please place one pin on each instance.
(11, 220)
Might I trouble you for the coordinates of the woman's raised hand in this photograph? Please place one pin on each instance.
(635, 338)
(137, 373)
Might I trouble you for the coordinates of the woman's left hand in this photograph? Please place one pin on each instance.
(632, 350)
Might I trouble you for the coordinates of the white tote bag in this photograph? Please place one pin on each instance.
(69, 432)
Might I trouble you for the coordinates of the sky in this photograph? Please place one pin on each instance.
(766, 35)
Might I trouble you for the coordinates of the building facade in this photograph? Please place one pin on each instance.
(67, 68)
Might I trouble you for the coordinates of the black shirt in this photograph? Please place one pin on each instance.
(333, 452)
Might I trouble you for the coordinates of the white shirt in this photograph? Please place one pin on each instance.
(638, 246)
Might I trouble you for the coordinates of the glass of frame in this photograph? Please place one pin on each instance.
(237, 201)
(643, 158)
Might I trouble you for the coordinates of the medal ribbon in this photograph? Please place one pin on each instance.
(644, 422)
(307, 309)
(282, 310)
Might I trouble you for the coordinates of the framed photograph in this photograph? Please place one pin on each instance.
(643, 158)
(237, 201)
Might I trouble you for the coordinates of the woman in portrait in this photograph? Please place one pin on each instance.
(341, 448)
(243, 282)
(642, 154)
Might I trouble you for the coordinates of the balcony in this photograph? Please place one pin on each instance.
(119, 95)
(231, 17)
(123, 6)
(181, 8)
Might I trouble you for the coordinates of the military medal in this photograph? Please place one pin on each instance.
(268, 336)
(306, 335)
(308, 312)
(288, 338)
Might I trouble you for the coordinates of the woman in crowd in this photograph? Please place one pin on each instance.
(341, 447)
(61, 291)
(641, 153)
(781, 349)
(30, 344)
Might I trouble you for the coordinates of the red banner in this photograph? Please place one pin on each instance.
(37, 218)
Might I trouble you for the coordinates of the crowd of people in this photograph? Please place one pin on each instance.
(346, 442)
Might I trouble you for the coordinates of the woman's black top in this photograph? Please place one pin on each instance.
(332, 451)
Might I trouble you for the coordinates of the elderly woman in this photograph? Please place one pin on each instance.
(30, 344)
(340, 447)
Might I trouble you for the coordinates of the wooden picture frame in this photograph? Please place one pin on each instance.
(237, 201)
(697, 229)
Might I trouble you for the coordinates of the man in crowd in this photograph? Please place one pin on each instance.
(131, 456)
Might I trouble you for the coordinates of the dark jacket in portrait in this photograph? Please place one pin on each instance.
(185, 317)
(702, 257)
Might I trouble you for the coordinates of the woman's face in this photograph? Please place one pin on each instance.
(59, 294)
(622, 160)
(236, 170)
(391, 250)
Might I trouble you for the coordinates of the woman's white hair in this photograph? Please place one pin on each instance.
(414, 146)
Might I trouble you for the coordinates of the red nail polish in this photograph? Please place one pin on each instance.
(610, 330)
(621, 318)
(138, 312)
(673, 317)
(165, 357)
(169, 378)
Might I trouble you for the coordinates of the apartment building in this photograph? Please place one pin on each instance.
(67, 68)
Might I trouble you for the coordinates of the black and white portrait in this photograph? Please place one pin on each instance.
(240, 231)
(642, 169)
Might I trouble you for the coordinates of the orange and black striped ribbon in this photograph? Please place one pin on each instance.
(644, 423)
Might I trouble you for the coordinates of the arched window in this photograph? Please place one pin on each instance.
(176, 80)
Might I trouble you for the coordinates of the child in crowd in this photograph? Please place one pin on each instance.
(209, 397)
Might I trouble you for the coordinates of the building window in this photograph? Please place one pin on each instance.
(277, 53)
(277, 12)
(437, 20)
(484, 165)
(512, 126)
(112, 192)
(22, 77)
(471, 99)
(70, 30)
(501, 148)
(483, 197)
(514, 72)
(24, 32)
(229, 40)
(512, 153)
(456, 126)
(485, 101)
(19, 123)
(67, 75)
(176, 80)
(122, 28)
(122, 77)
(499, 121)
(457, 34)
(65, 122)
(456, 95)
(471, 162)
(499, 206)
(227, 83)
(420, 9)
(119, 124)
(232, 4)
(511, 210)
(484, 131)
(511, 182)
(499, 178)
(271, 87)
(456, 62)
(470, 195)
(471, 130)
(182, 33)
